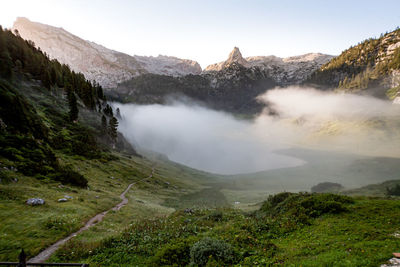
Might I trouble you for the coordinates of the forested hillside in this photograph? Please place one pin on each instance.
(47, 109)
(372, 65)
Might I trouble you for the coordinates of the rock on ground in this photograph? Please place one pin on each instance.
(35, 201)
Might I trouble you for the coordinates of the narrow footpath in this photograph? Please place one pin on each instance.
(45, 254)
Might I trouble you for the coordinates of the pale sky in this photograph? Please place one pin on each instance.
(207, 30)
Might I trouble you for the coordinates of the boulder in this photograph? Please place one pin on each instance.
(35, 201)
(62, 200)
(188, 211)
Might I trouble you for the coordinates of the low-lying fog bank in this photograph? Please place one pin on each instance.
(218, 142)
(200, 138)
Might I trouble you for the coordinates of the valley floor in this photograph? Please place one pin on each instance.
(34, 228)
(167, 214)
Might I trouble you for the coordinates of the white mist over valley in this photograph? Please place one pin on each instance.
(215, 141)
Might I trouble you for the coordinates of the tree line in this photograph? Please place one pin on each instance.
(19, 56)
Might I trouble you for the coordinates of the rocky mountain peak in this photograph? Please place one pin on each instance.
(284, 71)
(236, 56)
(96, 62)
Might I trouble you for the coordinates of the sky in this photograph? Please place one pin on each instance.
(207, 30)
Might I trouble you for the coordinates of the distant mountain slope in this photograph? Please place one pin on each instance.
(233, 89)
(283, 71)
(376, 190)
(96, 62)
(372, 67)
(47, 110)
(231, 85)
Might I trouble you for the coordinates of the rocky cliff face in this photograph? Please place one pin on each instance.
(96, 62)
(284, 71)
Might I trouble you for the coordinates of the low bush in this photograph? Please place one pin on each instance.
(394, 191)
(210, 248)
(215, 216)
(177, 254)
(66, 175)
(284, 212)
(312, 205)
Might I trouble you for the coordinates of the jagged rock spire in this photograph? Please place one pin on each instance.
(236, 57)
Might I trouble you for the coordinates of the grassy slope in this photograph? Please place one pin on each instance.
(376, 190)
(34, 228)
(361, 236)
(175, 186)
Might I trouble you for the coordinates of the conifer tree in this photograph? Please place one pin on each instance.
(5, 59)
(108, 111)
(103, 125)
(118, 113)
(112, 128)
(72, 103)
(46, 78)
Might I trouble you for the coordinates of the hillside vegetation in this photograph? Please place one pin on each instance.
(288, 230)
(372, 64)
(59, 139)
(39, 115)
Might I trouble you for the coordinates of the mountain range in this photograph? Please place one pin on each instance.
(106, 66)
(283, 71)
(63, 165)
(372, 67)
(110, 67)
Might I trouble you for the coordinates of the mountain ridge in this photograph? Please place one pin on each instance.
(109, 67)
(285, 71)
(370, 67)
(96, 62)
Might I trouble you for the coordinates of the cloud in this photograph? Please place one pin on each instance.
(296, 102)
(201, 138)
(218, 142)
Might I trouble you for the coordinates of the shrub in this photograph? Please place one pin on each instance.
(215, 216)
(275, 200)
(315, 207)
(208, 248)
(394, 191)
(66, 175)
(173, 254)
(285, 212)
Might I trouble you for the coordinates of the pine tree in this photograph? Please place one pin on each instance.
(103, 125)
(108, 111)
(73, 106)
(46, 78)
(5, 58)
(112, 128)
